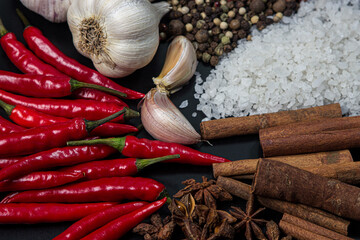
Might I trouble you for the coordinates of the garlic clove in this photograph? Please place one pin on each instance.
(180, 65)
(54, 11)
(163, 120)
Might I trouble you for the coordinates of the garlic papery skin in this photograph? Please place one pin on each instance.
(163, 120)
(179, 67)
(119, 36)
(52, 10)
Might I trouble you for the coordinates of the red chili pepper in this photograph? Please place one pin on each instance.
(115, 167)
(28, 117)
(113, 189)
(8, 127)
(117, 228)
(27, 62)
(40, 180)
(131, 146)
(98, 219)
(47, 137)
(54, 158)
(89, 109)
(49, 53)
(32, 213)
(45, 86)
(5, 162)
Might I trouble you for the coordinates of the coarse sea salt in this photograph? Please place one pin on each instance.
(310, 59)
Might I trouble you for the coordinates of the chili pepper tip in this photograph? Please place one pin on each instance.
(22, 17)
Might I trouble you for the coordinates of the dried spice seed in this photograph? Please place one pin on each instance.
(272, 230)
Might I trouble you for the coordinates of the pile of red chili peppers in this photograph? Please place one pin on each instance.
(49, 176)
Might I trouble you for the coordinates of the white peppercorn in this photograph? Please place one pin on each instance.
(203, 15)
(242, 11)
(217, 21)
(225, 40)
(223, 25)
(231, 14)
(198, 2)
(279, 15)
(185, 10)
(189, 27)
(254, 19)
(229, 34)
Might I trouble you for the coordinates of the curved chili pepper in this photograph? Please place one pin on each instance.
(115, 167)
(40, 180)
(45, 86)
(49, 53)
(54, 158)
(32, 213)
(117, 228)
(5, 162)
(28, 117)
(27, 62)
(9, 127)
(98, 219)
(100, 190)
(89, 109)
(131, 146)
(47, 137)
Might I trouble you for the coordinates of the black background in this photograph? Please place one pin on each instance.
(171, 175)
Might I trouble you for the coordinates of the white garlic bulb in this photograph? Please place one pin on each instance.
(119, 36)
(163, 120)
(52, 10)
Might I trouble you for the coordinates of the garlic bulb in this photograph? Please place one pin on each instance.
(119, 36)
(52, 10)
(163, 121)
(179, 67)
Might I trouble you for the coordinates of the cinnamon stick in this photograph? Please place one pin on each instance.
(248, 166)
(300, 233)
(235, 126)
(310, 214)
(312, 142)
(347, 172)
(308, 226)
(308, 127)
(274, 179)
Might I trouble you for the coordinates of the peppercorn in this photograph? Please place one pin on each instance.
(249, 37)
(176, 27)
(198, 55)
(234, 44)
(211, 25)
(269, 12)
(196, 45)
(219, 50)
(269, 21)
(227, 48)
(162, 36)
(230, 5)
(225, 40)
(254, 19)
(201, 36)
(208, 10)
(175, 2)
(183, 2)
(198, 2)
(214, 60)
(216, 38)
(291, 5)
(203, 15)
(196, 16)
(245, 25)
(279, 15)
(163, 27)
(288, 12)
(184, 10)
(260, 25)
(213, 45)
(200, 8)
(241, 33)
(239, 4)
(224, 8)
(206, 57)
(200, 24)
(202, 47)
(229, 34)
(257, 6)
(216, 31)
(189, 27)
(224, 17)
(242, 11)
(279, 6)
(231, 14)
(190, 36)
(175, 14)
(224, 25)
(217, 21)
(191, 4)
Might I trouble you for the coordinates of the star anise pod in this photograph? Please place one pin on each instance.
(247, 219)
(206, 192)
(158, 229)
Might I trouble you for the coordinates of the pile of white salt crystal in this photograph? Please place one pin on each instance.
(310, 59)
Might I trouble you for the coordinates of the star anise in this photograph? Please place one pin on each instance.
(206, 192)
(158, 229)
(247, 219)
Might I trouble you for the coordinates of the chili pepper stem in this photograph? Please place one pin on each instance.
(117, 143)
(143, 163)
(3, 30)
(23, 19)
(91, 125)
(7, 107)
(130, 114)
(164, 193)
(74, 84)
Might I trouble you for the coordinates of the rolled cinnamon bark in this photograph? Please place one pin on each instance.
(310, 214)
(248, 166)
(347, 172)
(308, 127)
(312, 142)
(300, 233)
(309, 227)
(235, 126)
(281, 181)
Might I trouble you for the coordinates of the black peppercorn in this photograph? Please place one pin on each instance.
(213, 45)
(163, 27)
(257, 6)
(239, 4)
(279, 6)
(203, 47)
(216, 31)
(176, 27)
(234, 24)
(196, 16)
(208, 10)
(182, 2)
(191, 4)
(234, 45)
(190, 36)
(214, 60)
(200, 8)
(269, 12)
(269, 21)
(291, 5)
(230, 5)
(262, 17)
(186, 19)
(206, 57)
(245, 25)
(242, 34)
(198, 55)
(201, 36)
(288, 12)
(216, 39)
(260, 25)
(227, 48)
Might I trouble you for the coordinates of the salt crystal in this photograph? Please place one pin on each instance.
(184, 104)
(194, 114)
